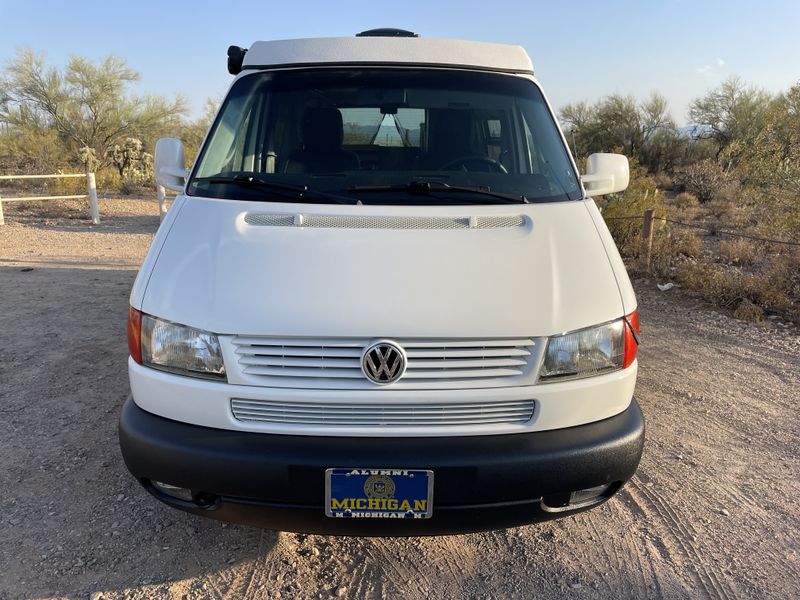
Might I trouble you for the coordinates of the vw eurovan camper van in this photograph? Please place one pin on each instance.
(383, 301)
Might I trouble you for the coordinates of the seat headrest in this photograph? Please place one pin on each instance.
(450, 132)
(322, 128)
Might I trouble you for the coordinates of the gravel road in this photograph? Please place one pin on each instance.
(712, 512)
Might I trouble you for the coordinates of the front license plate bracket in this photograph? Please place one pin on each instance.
(353, 493)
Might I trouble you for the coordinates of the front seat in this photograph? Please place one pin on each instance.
(322, 150)
(449, 138)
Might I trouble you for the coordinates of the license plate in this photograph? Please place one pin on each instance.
(379, 493)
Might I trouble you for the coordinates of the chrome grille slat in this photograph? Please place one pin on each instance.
(397, 406)
(335, 363)
(301, 372)
(305, 351)
(322, 362)
(459, 373)
(404, 414)
(301, 342)
(456, 363)
(289, 411)
(447, 345)
(468, 353)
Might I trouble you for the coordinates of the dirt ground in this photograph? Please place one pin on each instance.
(712, 512)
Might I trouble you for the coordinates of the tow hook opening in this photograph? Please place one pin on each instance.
(577, 499)
(181, 497)
(205, 500)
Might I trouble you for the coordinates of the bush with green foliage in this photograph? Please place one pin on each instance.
(623, 211)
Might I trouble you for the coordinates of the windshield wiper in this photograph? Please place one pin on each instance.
(426, 188)
(300, 191)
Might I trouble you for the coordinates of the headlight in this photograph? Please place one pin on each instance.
(591, 351)
(181, 349)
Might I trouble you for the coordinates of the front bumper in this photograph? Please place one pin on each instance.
(277, 481)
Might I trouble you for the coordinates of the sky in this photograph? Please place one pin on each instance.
(581, 50)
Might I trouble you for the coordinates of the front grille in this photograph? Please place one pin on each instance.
(335, 363)
(383, 414)
(382, 222)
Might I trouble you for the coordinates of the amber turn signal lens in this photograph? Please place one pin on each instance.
(631, 338)
(135, 334)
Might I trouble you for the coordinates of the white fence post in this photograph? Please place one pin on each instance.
(94, 210)
(162, 201)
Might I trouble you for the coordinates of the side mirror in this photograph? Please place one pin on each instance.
(606, 174)
(169, 164)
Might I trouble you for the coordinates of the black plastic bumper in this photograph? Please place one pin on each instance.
(277, 481)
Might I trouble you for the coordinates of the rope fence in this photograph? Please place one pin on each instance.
(704, 228)
(648, 217)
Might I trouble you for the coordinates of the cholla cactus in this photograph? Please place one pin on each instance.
(125, 156)
(141, 172)
(89, 158)
(134, 165)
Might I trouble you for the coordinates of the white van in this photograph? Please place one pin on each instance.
(383, 302)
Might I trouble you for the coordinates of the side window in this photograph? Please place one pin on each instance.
(233, 145)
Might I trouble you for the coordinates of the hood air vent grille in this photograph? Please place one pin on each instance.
(383, 222)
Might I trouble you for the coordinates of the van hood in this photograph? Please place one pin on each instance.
(237, 267)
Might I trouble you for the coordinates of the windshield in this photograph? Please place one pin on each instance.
(353, 133)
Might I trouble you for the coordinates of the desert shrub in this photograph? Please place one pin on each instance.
(722, 209)
(664, 181)
(688, 243)
(68, 187)
(622, 211)
(670, 247)
(107, 181)
(747, 311)
(31, 151)
(686, 200)
(703, 179)
(771, 214)
(771, 289)
(662, 256)
(738, 251)
(130, 187)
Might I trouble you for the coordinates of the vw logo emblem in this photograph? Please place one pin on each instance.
(383, 362)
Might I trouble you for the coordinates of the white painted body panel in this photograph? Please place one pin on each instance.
(139, 286)
(623, 281)
(420, 51)
(207, 403)
(217, 273)
(208, 268)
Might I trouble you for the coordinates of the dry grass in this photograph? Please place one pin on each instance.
(664, 181)
(772, 289)
(686, 200)
(49, 209)
(738, 251)
(722, 209)
(747, 311)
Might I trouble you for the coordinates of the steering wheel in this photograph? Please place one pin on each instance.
(463, 161)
